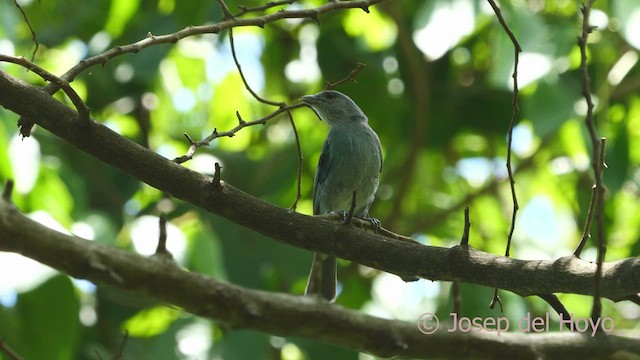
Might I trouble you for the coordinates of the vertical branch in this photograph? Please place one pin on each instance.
(586, 232)
(33, 33)
(457, 298)
(514, 116)
(455, 288)
(596, 311)
(120, 354)
(162, 239)
(299, 149)
(467, 226)
(597, 163)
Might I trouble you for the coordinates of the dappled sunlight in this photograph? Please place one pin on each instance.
(445, 23)
(145, 233)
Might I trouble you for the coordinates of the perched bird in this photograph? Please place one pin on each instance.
(350, 161)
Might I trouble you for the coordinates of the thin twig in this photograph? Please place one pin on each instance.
(589, 123)
(194, 145)
(269, 5)
(514, 116)
(596, 311)
(5, 349)
(153, 40)
(349, 78)
(120, 354)
(98, 354)
(225, 10)
(586, 232)
(597, 161)
(455, 288)
(33, 33)
(83, 111)
(300, 158)
(260, 21)
(555, 303)
(467, 226)
(231, 133)
(244, 80)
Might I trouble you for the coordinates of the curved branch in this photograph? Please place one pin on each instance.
(73, 96)
(406, 259)
(280, 314)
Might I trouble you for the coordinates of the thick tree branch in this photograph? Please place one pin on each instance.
(280, 314)
(406, 259)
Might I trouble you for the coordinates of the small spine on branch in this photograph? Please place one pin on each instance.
(161, 250)
(467, 225)
(240, 119)
(496, 300)
(216, 176)
(8, 189)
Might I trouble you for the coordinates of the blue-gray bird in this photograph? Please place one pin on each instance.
(351, 160)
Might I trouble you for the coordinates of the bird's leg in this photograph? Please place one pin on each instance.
(347, 220)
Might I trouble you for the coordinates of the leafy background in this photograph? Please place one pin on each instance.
(437, 89)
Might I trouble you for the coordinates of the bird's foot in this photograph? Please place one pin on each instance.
(375, 223)
(341, 213)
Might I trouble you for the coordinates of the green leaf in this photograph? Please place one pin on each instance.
(49, 319)
(378, 31)
(151, 322)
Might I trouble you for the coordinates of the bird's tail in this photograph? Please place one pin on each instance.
(322, 277)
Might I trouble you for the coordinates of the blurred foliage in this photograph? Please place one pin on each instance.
(436, 87)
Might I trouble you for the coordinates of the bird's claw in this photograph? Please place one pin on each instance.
(341, 213)
(375, 223)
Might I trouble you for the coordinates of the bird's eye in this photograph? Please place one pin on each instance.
(330, 95)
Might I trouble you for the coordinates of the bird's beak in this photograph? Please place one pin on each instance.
(309, 100)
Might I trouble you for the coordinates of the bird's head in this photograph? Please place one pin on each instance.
(334, 107)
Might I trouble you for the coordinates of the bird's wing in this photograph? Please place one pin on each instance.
(321, 175)
(378, 148)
